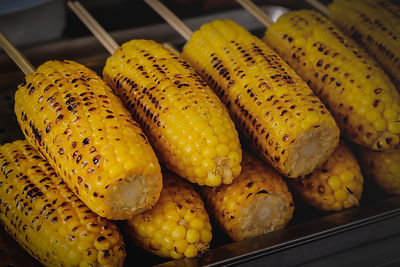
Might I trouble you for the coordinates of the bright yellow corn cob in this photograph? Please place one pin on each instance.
(269, 103)
(359, 94)
(257, 202)
(47, 219)
(73, 118)
(336, 186)
(382, 167)
(374, 24)
(188, 126)
(177, 226)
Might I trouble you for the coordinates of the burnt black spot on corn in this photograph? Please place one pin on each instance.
(257, 202)
(336, 186)
(47, 219)
(374, 24)
(81, 141)
(361, 97)
(178, 225)
(269, 103)
(188, 126)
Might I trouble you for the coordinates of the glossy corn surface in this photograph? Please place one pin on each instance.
(382, 167)
(374, 24)
(270, 104)
(47, 219)
(73, 118)
(336, 186)
(188, 126)
(361, 97)
(257, 202)
(177, 226)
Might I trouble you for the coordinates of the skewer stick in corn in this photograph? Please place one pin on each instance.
(373, 24)
(187, 124)
(177, 226)
(76, 122)
(361, 97)
(270, 104)
(47, 219)
(257, 202)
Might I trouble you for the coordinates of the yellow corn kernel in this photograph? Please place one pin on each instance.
(179, 222)
(64, 230)
(354, 87)
(79, 129)
(335, 186)
(191, 251)
(180, 114)
(373, 24)
(382, 167)
(258, 201)
(270, 104)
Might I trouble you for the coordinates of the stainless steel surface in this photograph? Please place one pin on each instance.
(310, 236)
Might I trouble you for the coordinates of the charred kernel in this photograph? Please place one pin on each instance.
(41, 209)
(342, 86)
(193, 102)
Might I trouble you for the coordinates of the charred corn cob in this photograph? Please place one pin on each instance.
(189, 127)
(359, 94)
(374, 24)
(257, 202)
(49, 220)
(270, 104)
(382, 167)
(76, 122)
(336, 186)
(177, 226)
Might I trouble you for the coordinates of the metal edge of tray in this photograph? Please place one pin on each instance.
(341, 230)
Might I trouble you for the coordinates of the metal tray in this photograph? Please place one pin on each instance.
(312, 238)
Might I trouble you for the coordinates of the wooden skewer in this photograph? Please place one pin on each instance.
(319, 6)
(16, 56)
(171, 18)
(257, 12)
(98, 31)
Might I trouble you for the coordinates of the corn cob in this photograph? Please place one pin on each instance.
(270, 104)
(382, 167)
(76, 122)
(47, 219)
(257, 202)
(189, 127)
(359, 94)
(374, 24)
(177, 226)
(336, 186)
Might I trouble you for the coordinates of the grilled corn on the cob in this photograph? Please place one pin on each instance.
(188, 125)
(47, 219)
(374, 24)
(76, 122)
(337, 185)
(359, 94)
(382, 167)
(177, 226)
(269, 103)
(257, 202)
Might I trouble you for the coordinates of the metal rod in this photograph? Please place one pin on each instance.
(98, 31)
(319, 6)
(171, 18)
(257, 12)
(16, 56)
